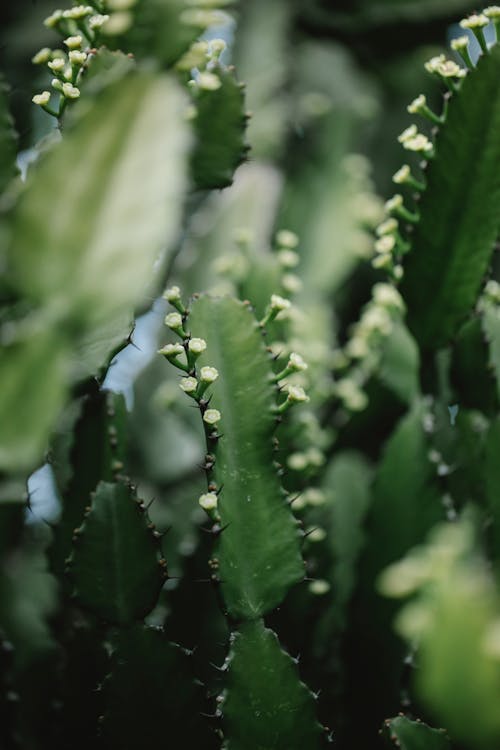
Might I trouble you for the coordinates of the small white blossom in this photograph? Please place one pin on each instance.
(197, 346)
(172, 294)
(296, 394)
(288, 258)
(291, 283)
(208, 501)
(402, 175)
(433, 64)
(173, 320)
(319, 587)
(382, 261)
(41, 99)
(476, 21)
(76, 57)
(410, 132)
(315, 497)
(78, 12)
(385, 244)
(98, 21)
(287, 239)
(279, 303)
(387, 296)
(70, 91)
(316, 535)
(296, 363)
(492, 12)
(417, 105)
(217, 47)
(73, 42)
(209, 374)
(171, 350)
(57, 65)
(420, 143)
(460, 44)
(57, 84)
(394, 203)
(188, 385)
(52, 20)
(387, 227)
(208, 81)
(212, 416)
(42, 56)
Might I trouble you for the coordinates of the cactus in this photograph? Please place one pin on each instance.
(336, 446)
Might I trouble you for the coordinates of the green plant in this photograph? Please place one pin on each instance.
(340, 364)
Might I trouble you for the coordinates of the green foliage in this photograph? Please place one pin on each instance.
(455, 237)
(115, 566)
(265, 706)
(258, 552)
(414, 735)
(342, 411)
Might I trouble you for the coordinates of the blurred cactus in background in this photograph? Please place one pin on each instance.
(249, 414)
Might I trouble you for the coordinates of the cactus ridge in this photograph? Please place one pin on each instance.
(453, 228)
(116, 567)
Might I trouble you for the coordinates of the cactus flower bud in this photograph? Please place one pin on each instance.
(73, 42)
(70, 91)
(172, 294)
(171, 350)
(208, 501)
(197, 346)
(57, 65)
(287, 239)
(212, 416)
(208, 374)
(173, 321)
(42, 56)
(188, 385)
(42, 99)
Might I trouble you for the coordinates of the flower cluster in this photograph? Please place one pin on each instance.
(81, 28)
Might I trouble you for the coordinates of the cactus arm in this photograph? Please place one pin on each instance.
(265, 706)
(151, 678)
(219, 125)
(100, 222)
(98, 453)
(116, 566)
(259, 551)
(414, 735)
(454, 239)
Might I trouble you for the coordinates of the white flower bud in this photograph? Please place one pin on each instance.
(295, 362)
(319, 587)
(98, 21)
(287, 239)
(78, 12)
(387, 227)
(208, 81)
(52, 20)
(296, 394)
(217, 46)
(73, 42)
(188, 385)
(401, 176)
(433, 64)
(70, 91)
(56, 84)
(387, 295)
(212, 416)
(316, 535)
(57, 65)
(417, 105)
(291, 283)
(314, 496)
(382, 261)
(208, 501)
(394, 203)
(410, 132)
(419, 143)
(298, 461)
(41, 99)
(197, 346)
(492, 12)
(385, 244)
(460, 44)
(173, 320)
(42, 56)
(476, 21)
(208, 374)
(172, 294)
(76, 57)
(171, 350)
(279, 303)
(288, 258)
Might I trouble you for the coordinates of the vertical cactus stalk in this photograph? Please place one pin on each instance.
(257, 550)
